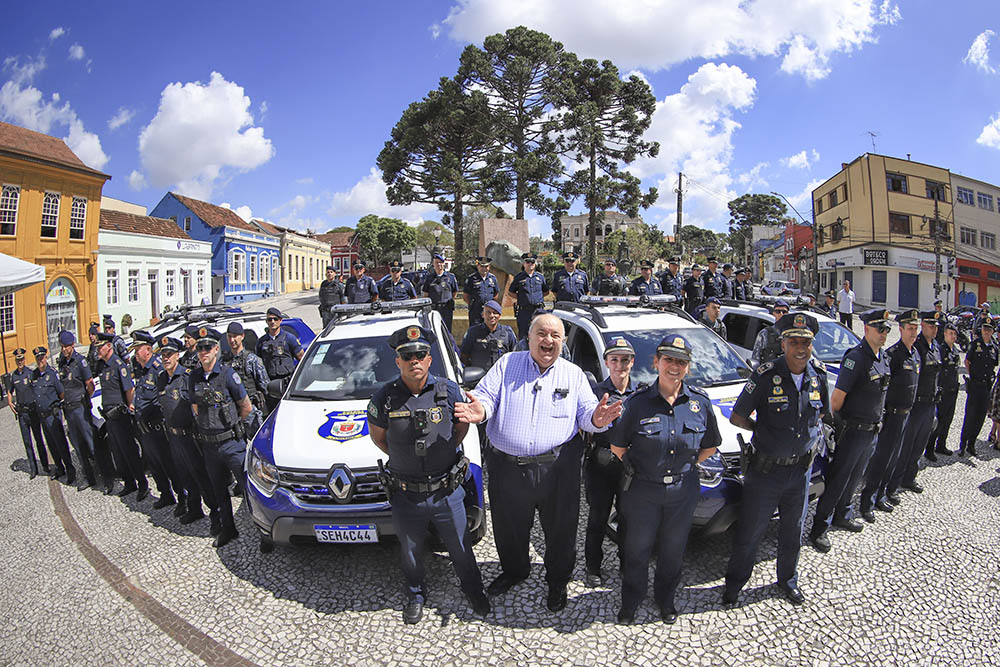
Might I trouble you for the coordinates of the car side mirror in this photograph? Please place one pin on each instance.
(472, 374)
(276, 388)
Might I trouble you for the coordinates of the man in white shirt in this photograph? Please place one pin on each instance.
(845, 305)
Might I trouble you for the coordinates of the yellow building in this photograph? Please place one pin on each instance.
(304, 257)
(50, 206)
(877, 219)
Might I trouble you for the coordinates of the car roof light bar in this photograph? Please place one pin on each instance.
(381, 306)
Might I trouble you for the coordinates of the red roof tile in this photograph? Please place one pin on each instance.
(337, 238)
(36, 145)
(215, 216)
(119, 221)
(268, 227)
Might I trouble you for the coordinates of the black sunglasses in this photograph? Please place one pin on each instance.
(780, 312)
(204, 346)
(273, 319)
(410, 356)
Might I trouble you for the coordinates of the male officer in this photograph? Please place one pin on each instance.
(921, 420)
(394, 287)
(710, 318)
(983, 315)
(980, 361)
(487, 341)
(570, 282)
(728, 282)
(790, 398)
(480, 287)
(529, 287)
(694, 290)
(219, 403)
(24, 404)
(609, 283)
(78, 387)
(948, 381)
(711, 279)
(741, 288)
(189, 359)
(412, 419)
(50, 392)
(670, 280)
(360, 288)
(858, 399)
(645, 284)
(331, 293)
(252, 373)
(93, 360)
(117, 395)
(117, 342)
(441, 286)
(278, 349)
(830, 304)
(767, 345)
(175, 400)
(904, 369)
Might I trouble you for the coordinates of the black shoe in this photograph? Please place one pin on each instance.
(480, 604)
(557, 598)
(126, 490)
(868, 516)
(793, 593)
(142, 493)
(894, 498)
(943, 450)
(849, 525)
(191, 516)
(821, 542)
(32, 475)
(164, 501)
(626, 616)
(55, 473)
(45, 468)
(593, 579)
(215, 528)
(930, 455)
(668, 615)
(996, 445)
(181, 508)
(884, 506)
(730, 597)
(961, 453)
(224, 537)
(503, 583)
(87, 483)
(71, 477)
(413, 612)
(972, 449)
(109, 489)
(914, 486)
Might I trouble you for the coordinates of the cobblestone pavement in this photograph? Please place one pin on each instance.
(95, 580)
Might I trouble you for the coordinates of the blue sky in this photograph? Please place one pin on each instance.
(280, 113)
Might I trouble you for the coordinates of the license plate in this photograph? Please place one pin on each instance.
(346, 534)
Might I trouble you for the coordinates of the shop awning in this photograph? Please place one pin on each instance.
(17, 274)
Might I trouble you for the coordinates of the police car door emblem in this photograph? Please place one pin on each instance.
(344, 425)
(435, 415)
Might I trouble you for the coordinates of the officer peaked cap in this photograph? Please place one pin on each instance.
(40, 350)
(170, 345)
(619, 345)
(876, 317)
(208, 335)
(142, 338)
(19, 353)
(676, 346)
(909, 316)
(191, 331)
(797, 325)
(412, 339)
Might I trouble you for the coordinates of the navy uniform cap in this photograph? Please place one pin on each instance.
(780, 303)
(438, 256)
(329, 267)
(645, 264)
(570, 255)
(695, 267)
(395, 265)
(676, 346)
(876, 317)
(831, 294)
(40, 350)
(909, 316)
(66, 337)
(528, 257)
(715, 300)
(191, 330)
(359, 265)
(105, 337)
(950, 325)
(483, 260)
(675, 260)
(712, 260)
(108, 318)
(142, 338)
(170, 345)
(208, 335)
(726, 266)
(931, 316)
(234, 328)
(809, 295)
(988, 324)
(797, 325)
(412, 339)
(274, 312)
(938, 302)
(94, 329)
(494, 305)
(19, 353)
(611, 260)
(619, 345)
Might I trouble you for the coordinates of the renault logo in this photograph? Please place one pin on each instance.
(340, 481)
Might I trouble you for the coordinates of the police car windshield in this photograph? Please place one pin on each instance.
(833, 341)
(349, 369)
(713, 362)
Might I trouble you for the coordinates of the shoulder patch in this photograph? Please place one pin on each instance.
(372, 410)
(819, 366)
(124, 372)
(750, 386)
(236, 378)
(765, 367)
(849, 364)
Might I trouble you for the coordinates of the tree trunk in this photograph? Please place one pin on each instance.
(592, 242)
(458, 222)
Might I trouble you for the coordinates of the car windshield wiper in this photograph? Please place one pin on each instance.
(720, 383)
(307, 397)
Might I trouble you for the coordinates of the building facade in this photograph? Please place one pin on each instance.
(147, 266)
(245, 260)
(49, 212)
(303, 260)
(886, 224)
(575, 228)
(345, 250)
(798, 253)
(977, 225)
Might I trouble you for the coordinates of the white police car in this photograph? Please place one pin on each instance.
(312, 467)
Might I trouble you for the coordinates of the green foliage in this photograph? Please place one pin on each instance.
(426, 239)
(342, 228)
(750, 210)
(643, 242)
(382, 239)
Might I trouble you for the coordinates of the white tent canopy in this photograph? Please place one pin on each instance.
(17, 274)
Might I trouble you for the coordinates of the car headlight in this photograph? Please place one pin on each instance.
(263, 474)
(710, 470)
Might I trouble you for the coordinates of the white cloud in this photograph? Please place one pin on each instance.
(979, 53)
(56, 33)
(753, 180)
(803, 199)
(308, 180)
(663, 33)
(24, 105)
(801, 160)
(121, 117)
(368, 196)
(136, 180)
(242, 211)
(200, 133)
(435, 30)
(990, 136)
(76, 52)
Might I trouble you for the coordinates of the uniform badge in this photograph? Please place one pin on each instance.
(695, 406)
(650, 420)
(398, 414)
(887, 315)
(814, 396)
(764, 367)
(413, 333)
(751, 385)
(175, 394)
(776, 379)
(778, 391)
(435, 415)
(124, 372)
(849, 364)
(372, 410)
(777, 399)
(800, 320)
(815, 382)
(164, 340)
(236, 378)
(203, 332)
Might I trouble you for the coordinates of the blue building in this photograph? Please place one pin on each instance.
(244, 260)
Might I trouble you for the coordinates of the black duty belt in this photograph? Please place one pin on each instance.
(448, 481)
(665, 480)
(178, 431)
(147, 427)
(49, 412)
(215, 438)
(859, 425)
(546, 457)
(763, 460)
(70, 405)
(896, 411)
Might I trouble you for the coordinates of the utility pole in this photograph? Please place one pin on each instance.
(680, 208)
(936, 233)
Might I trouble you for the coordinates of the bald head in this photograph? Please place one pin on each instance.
(545, 339)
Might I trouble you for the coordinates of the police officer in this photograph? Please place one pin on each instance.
(767, 345)
(78, 387)
(278, 349)
(50, 392)
(602, 470)
(694, 290)
(480, 287)
(710, 318)
(24, 404)
(117, 396)
(253, 375)
(904, 369)
(727, 282)
(741, 288)
(487, 341)
(664, 431)
(980, 361)
(331, 293)
(360, 288)
(858, 399)
(178, 420)
(790, 397)
(570, 282)
(219, 403)
(830, 306)
(670, 280)
(711, 279)
(189, 358)
(117, 342)
(529, 287)
(93, 360)
(645, 284)
(441, 286)
(948, 382)
(412, 420)
(609, 283)
(394, 287)
(920, 423)
(983, 315)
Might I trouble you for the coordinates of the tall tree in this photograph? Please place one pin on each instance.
(441, 152)
(427, 240)
(383, 238)
(602, 130)
(520, 73)
(749, 210)
(643, 242)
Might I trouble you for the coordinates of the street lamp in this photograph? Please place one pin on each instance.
(437, 238)
(814, 283)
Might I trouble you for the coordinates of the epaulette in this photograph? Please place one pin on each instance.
(697, 390)
(818, 365)
(765, 367)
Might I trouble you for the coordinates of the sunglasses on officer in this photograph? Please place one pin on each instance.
(419, 355)
(204, 346)
(778, 312)
(273, 319)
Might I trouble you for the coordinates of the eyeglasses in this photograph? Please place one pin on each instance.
(273, 319)
(779, 313)
(410, 356)
(204, 346)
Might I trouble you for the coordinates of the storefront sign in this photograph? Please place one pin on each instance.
(876, 257)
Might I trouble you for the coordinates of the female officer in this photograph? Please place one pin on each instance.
(664, 431)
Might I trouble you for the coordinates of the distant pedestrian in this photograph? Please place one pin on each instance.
(845, 305)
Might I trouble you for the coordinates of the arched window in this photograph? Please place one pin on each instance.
(237, 266)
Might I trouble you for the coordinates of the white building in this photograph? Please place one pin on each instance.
(893, 277)
(575, 228)
(147, 264)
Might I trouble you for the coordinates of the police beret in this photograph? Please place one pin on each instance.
(494, 305)
(797, 325)
(94, 329)
(412, 338)
(570, 255)
(909, 316)
(676, 346)
(645, 264)
(529, 257)
(611, 260)
(170, 345)
(191, 331)
(274, 312)
(930, 316)
(19, 353)
(40, 350)
(66, 337)
(142, 338)
(234, 328)
(875, 316)
(485, 261)
(395, 265)
(208, 335)
(714, 299)
(438, 256)
(619, 345)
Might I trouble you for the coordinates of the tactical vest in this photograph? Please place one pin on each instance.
(147, 396)
(111, 383)
(420, 433)
(189, 359)
(277, 359)
(239, 364)
(330, 293)
(772, 345)
(216, 408)
(439, 288)
(73, 385)
(930, 366)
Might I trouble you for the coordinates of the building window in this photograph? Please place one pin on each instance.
(985, 201)
(8, 209)
(201, 281)
(77, 218)
(967, 236)
(819, 205)
(833, 199)
(187, 223)
(993, 275)
(112, 287)
(896, 183)
(265, 268)
(935, 190)
(899, 223)
(133, 285)
(965, 196)
(170, 283)
(988, 240)
(237, 267)
(7, 312)
(968, 271)
(50, 215)
(253, 268)
(274, 265)
(576, 232)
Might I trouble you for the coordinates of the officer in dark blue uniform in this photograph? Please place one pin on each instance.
(24, 404)
(441, 286)
(710, 317)
(980, 361)
(829, 306)
(278, 349)
(858, 399)
(480, 287)
(790, 397)
(93, 360)
(670, 281)
(662, 434)
(948, 381)
(219, 403)
(50, 392)
(646, 283)
(711, 279)
(331, 293)
(189, 355)
(412, 419)
(118, 343)
(727, 282)
(529, 287)
(767, 345)
(117, 396)
(78, 387)
(694, 290)
(983, 315)
(178, 421)
(486, 342)
(904, 369)
(570, 282)
(609, 283)
(920, 423)
(360, 288)
(394, 287)
(251, 370)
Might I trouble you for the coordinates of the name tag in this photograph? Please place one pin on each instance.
(651, 420)
(399, 413)
(777, 399)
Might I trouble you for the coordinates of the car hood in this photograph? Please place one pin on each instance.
(724, 398)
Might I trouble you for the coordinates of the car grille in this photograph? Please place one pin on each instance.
(309, 486)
